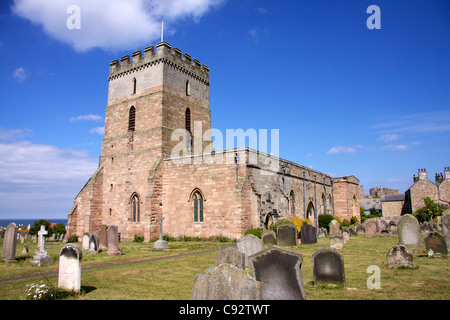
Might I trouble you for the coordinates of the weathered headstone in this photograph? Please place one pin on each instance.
(345, 236)
(69, 274)
(383, 228)
(161, 244)
(85, 241)
(328, 267)
(287, 235)
(249, 245)
(337, 242)
(93, 243)
(322, 233)
(269, 238)
(360, 229)
(279, 269)
(41, 257)
(308, 234)
(225, 282)
(409, 232)
(400, 256)
(10, 243)
(371, 227)
(231, 256)
(435, 245)
(113, 241)
(335, 228)
(103, 237)
(25, 249)
(445, 222)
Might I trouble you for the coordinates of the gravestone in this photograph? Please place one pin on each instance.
(161, 244)
(308, 234)
(345, 236)
(328, 267)
(269, 238)
(103, 237)
(10, 243)
(409, 232)
(25, 249)
(360, 229)
(231, 256)
(225, 282)
(41, 257)
(400, 256)
(249, 245)
(287, 235)
(335, 228)
(383, 228)
(435, 245)
(371, 227)
(93, 243)
(113, 241)
(337, 242)
(85, 241)
(69, 274)
(322, 233)
(279, 270)
(445, 222)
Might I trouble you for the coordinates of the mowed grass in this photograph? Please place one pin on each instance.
(172, 279)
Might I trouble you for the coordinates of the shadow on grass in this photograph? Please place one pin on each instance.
(87, 289)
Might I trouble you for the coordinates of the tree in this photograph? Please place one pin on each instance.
(430, 211)
(37, 226)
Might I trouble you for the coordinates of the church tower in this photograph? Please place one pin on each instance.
(150, 97)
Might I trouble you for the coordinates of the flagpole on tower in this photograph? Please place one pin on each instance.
(162, 30)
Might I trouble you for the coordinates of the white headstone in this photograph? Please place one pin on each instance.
(69, 275)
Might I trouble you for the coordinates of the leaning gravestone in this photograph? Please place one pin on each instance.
(225, 282)
(69, 274)
(10, 243)
(400, 256)
(435, 245)
(335, 228)
(103, 237)
(308, 234)
(287, 235)
(445, 220)
(409, 232)
(371, 226)
(249, 245)
(269, 238)
(279, 269)
(328, 267)
(231, 256)
(85, 241)
(93, 243)
(113, 241)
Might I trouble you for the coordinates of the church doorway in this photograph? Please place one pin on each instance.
(268, 221)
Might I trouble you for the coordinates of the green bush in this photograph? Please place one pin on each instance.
(138, 238)
(430, 211)
(254, 231)
(72, 239)
(325, 220)
(354, 220)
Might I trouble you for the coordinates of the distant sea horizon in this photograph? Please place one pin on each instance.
(17, 221)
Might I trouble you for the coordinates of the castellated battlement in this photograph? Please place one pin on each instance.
(164, 53)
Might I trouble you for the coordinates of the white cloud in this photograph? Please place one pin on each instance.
(41, 179)
(98, 130)
(396, 147)
(20, 75)
(87, 117)
(13, 134)
(109, 24)
(389, 137)
(425, 122)
(343, 149)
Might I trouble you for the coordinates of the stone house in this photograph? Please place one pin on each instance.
(157, 158)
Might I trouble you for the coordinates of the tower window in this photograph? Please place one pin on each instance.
(136, 208)
(188, 88)
(198, 207)
(132, 119)
(134, 85)
(188, 129)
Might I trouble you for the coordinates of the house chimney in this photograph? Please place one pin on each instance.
(423, 174)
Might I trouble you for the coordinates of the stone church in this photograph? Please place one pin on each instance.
(143, 172)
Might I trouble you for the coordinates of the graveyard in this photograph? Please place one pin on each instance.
(142, 273)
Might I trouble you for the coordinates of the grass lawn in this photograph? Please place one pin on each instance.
(171, 279)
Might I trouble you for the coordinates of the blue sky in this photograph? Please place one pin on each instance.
(346, 99)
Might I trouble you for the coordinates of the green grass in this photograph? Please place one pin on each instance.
(171, 279)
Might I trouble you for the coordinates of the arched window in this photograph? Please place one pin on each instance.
(187, 118)
(132, 119)
(136, 208)
(197, 199)
(134, 85)
(291, 204)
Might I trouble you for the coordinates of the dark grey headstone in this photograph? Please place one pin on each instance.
(287, 235)
(113, 241)
(435, 245)
(280, 272)
(93, 243)
(10, 243)
(400, 256)
(328, 267)
(103, 237)
(308, 234)
(269, 238)
(231, 256)
(225, 282)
